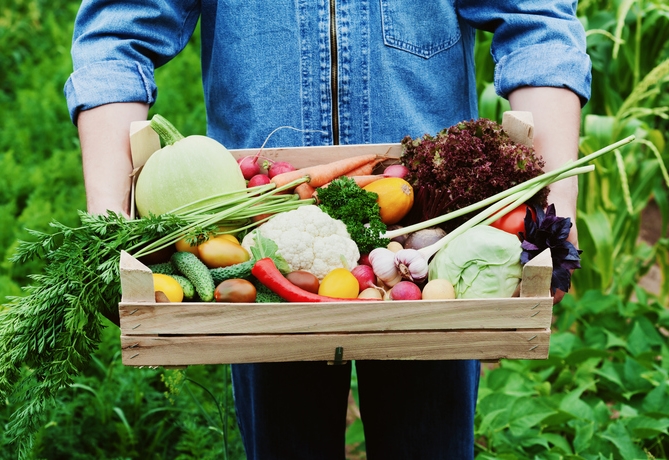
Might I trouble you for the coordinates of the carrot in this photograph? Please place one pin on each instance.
(366, 169)
(366, 179)
(322, 174)
(305, 191)
(361, 181)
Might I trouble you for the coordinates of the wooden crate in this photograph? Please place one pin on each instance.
(179, 334)
(176, 334)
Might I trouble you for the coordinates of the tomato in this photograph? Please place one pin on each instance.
(235, 290)
(305, 280)
(168, 286)
(514, 221)
(221, 252)
(229, 237)
(184, 246)
(340, 283)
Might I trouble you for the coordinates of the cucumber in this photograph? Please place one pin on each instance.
(197, 273)
(186, 286)
(165, 268)
(241, 270)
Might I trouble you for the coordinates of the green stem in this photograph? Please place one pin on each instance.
(200, 206)
(166, 130)
(547, 178)
(231, 212)
(497, 210)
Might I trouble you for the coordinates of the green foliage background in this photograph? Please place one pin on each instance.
(604, 391)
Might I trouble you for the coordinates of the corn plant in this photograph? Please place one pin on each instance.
(630, 80)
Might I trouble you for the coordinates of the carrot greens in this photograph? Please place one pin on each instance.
(48, 335)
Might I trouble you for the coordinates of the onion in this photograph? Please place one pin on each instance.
(438, 289)
(365, 276)
(405, 290)
(401, 238)
(396, 171)
(371, 293)
(423, 238)
(394, 246)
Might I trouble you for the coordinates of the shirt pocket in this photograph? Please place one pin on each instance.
(420, 27)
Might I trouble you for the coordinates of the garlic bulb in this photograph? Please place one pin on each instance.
(411, 264)
(383, 264)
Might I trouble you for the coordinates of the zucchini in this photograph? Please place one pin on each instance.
(197, 273)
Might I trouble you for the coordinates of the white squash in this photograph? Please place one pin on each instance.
(185, 170)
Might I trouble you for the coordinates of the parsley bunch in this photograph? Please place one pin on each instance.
(343, 199)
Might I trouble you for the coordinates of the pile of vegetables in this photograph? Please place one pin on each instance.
(341, 231)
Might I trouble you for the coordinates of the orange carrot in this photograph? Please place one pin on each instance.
(324, 173)
(366, 179)
(361, 181)
(305, 191)
(366, 169)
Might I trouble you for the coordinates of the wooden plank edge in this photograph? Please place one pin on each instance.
(212, 318)
(484, 345)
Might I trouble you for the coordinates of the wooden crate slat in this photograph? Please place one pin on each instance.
(208, 318)
(194, 350)
(301, 157)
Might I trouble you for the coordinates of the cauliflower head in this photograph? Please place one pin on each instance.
(309, 239)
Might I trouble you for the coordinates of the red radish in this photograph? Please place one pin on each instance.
(365, 276)
(249, 166)
(396, 171)
(279, 167)
(405, 290)
(364, 260)
(258, 179)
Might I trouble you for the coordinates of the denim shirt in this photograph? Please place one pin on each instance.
(346, 71)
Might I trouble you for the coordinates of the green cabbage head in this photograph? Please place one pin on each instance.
(483, 262)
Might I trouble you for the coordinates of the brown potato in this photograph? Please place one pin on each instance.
(304, 280)
(235, 291)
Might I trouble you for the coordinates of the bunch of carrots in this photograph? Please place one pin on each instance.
(359, 168)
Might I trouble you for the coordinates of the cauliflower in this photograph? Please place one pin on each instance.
(309, 239)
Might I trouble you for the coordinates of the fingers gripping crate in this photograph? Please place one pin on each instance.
(179, 334)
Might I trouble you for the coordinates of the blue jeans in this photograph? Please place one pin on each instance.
(410, 409)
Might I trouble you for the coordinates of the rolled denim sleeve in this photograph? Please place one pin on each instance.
(117, 45)
(535, 43)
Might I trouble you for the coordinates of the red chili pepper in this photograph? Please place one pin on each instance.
(267, 273)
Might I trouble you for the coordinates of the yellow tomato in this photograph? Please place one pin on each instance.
(228, 236)
(339, 283)
(221, 252)
(184, 246)
(168, 286)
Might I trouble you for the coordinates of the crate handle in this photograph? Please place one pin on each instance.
(338, 357)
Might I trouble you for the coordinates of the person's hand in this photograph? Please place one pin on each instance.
(104, 133)
(556, 114)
